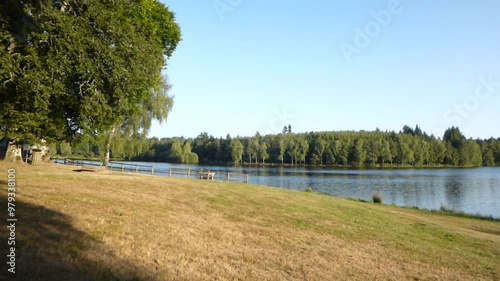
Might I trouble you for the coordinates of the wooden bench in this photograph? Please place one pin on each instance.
(207, 175)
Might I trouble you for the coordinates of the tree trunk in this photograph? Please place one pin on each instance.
(14, 152)
(107, 147)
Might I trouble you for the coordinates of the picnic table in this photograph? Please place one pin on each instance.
(207, 175)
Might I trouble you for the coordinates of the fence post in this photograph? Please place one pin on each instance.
(152, 170)
(228, 176)
(189, 172)
(170, 172)
(136, 168)
(247, 178)
(123, 167)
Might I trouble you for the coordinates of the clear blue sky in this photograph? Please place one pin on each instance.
(252, 65)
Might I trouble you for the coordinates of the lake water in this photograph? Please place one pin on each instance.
(475, 191)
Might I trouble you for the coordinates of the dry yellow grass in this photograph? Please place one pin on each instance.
(112, 226)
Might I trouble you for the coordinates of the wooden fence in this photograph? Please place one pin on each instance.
(149, 169)
(241, 177)
(207, 174)
(131, 167)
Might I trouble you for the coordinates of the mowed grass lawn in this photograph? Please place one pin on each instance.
(112, 226)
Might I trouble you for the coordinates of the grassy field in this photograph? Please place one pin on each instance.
(110, 226)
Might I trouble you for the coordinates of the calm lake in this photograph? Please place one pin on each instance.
(475, 191)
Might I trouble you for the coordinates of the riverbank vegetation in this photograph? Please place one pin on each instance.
(113, 226)
(408, 148)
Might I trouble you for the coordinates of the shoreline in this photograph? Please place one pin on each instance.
(163, 173)
(193, 229)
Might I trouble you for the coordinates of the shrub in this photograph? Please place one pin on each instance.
(377, 198)
(309, 189)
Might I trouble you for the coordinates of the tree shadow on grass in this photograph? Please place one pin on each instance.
(48, 247)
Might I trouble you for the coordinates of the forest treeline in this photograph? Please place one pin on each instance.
(409, 147)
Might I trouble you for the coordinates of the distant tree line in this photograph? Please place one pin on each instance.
(409, 147)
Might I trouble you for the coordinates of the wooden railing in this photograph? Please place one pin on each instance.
(243, 177)
(131, 167)
(149, 169)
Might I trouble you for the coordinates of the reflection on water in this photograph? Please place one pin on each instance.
(452, 190)
(469, 190)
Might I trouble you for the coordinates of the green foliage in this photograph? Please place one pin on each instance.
(470, 154)
(454, 137)
(73, 69)
(386, 154)
(176, 154)
(303, 148)
(405, 154)
(452, 157)
(65, 149)
(236, 151)
(252, 148)
(319, 147)
(263, 154)
(309, 190)
(341, 149)
(191, 158)
(53, 149)
(437, 151)
(407, 130)
(276, 147)
(358, 153)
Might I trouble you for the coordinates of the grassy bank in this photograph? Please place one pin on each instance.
(111, 226)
